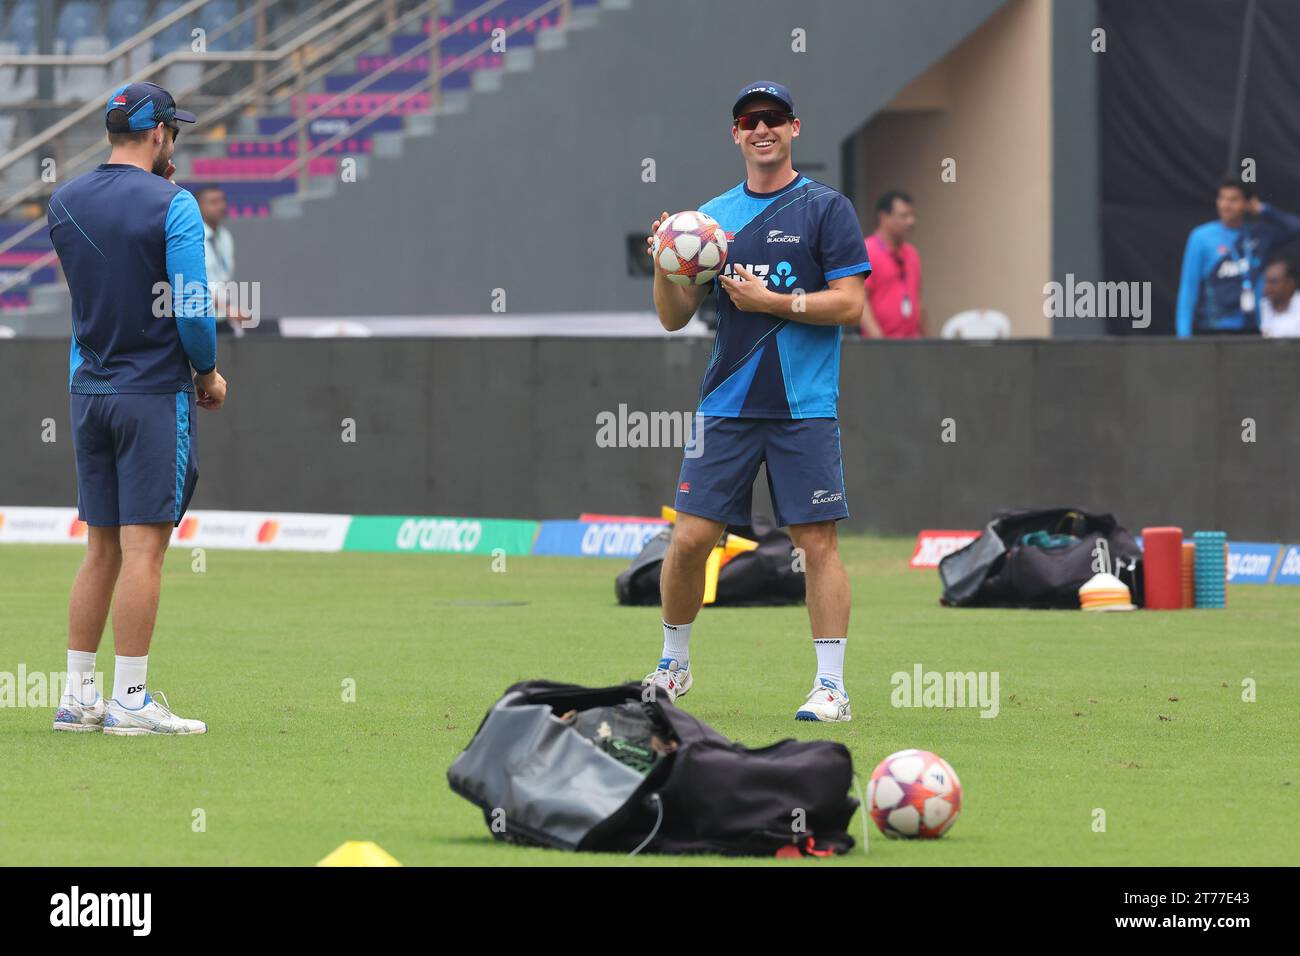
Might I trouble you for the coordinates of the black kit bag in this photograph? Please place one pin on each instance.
(765, 577)
(1001, 569)
(605, 770)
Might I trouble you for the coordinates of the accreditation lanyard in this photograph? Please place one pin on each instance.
(1244, 266)
(905, 309)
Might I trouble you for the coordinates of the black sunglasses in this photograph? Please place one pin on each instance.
(770, 118)
(175, 130)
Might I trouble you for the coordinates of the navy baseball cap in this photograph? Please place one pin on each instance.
(145, 105)
(767, 88)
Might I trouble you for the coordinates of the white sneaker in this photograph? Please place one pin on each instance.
(827, 702)
(78, 717)
(670, 677)
(155, 717)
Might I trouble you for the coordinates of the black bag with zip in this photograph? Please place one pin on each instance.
(1001, 569)
(764, 577)
(622, 770)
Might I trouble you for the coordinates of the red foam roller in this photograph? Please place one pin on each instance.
(1162, 568)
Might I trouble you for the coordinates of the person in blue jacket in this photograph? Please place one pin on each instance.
(1223, 273)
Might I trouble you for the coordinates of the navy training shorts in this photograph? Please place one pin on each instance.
(136, 461)
(805, 471)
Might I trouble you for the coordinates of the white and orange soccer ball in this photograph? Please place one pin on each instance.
(912, 794)
(690, 248)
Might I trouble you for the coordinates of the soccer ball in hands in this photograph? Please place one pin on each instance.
(690, 248)
(914, 793)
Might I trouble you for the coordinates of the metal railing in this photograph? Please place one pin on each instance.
(298, 64)
(436, 73)
(353, 15)
(90, 108)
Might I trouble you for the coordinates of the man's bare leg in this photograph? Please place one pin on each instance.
(136, 609)
(681, 589)
(92, 590)
(681, 579)
(132, 710)
(829, 598)
(80, 707)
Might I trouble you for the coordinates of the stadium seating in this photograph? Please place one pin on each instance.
(77, 32)
(215, 15)
(176, 36)
(124, 20)
(21, 28)
(77, 19)
(254, 171)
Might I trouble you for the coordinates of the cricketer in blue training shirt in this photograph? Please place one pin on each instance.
(793, 277)
(143, 357)
(1223, 265)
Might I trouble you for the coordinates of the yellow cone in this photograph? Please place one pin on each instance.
(359, 853)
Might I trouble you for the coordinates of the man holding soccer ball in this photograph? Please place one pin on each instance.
(793, 277)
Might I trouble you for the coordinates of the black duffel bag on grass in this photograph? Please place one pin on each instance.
(602, 770)
(1039, 559)
(764, 577)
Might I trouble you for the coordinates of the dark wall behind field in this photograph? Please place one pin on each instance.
(1167, 85)
(507, 428)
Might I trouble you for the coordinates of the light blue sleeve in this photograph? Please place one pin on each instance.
(1189, 286)
(188, 274)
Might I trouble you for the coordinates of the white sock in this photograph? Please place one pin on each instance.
(128, 681)
(80, 684)
(677, 642)
(830, 660)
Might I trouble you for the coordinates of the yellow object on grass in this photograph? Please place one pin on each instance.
(359, 853)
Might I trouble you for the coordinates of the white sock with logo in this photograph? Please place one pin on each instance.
(80, 685)
(830, 660)
(677, 642)
(128, 681)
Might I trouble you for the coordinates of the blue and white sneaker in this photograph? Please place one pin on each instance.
(671, 676)
(78, 717)
(155, 717)
(827, 702)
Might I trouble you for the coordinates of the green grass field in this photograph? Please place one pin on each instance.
(1140, 715)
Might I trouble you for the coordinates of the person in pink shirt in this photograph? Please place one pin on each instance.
(893, 309)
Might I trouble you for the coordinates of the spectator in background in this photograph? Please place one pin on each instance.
(1222, 279)
(219, 251)
(1280, 311)
(893, 308)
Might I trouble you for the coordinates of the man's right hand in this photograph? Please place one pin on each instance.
(210, 390)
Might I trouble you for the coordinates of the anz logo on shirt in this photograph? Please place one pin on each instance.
(782, 277)
(1231, 268)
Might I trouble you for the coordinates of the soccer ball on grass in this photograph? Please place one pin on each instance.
(912, 794)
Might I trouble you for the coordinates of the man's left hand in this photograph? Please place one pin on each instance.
(749, 293)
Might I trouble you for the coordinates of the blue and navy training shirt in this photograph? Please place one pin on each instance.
(1220, 264)
(131, 247)
(799, 237)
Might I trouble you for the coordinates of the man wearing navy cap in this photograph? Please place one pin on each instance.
(143, 357)
(793, 278)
